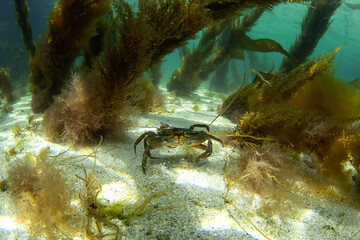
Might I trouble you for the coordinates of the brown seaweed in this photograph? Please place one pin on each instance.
(71, 25)
(156, 74)
(307, 111)
(22, 12)
(227, 51)
(136, 41)
(353, 6)
(42, 193)
(198, 65)
(314, 26)
(239, 42)
(185, 80)
(5, 85)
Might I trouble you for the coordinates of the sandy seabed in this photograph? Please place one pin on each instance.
(194, 191)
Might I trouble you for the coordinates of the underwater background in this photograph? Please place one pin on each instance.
(179, 119)
(282, 24)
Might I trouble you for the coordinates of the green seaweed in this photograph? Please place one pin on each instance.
(98, 213)
(353, 6)
(126, 211)
(89, 201)
(17, 130)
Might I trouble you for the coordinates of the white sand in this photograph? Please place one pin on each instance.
(199, 185)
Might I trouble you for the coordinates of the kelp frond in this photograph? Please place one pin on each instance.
(22, 12)
(186, 79)
(229, 8)
(314, 26)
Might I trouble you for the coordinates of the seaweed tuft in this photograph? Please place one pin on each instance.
(80, 115)
(42, 194)
(71, 25)
(308, 111)
(5, 85)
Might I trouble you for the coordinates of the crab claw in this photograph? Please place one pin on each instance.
(199, 125)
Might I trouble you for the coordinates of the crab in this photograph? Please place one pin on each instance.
(171, 137)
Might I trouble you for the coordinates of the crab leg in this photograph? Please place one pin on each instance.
(207, 153)
(216, 139)
(200, 146)
(139, 140)
(144, 160)
(145, 155)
